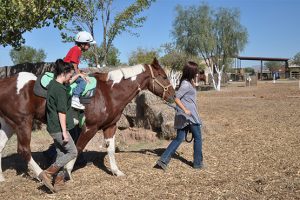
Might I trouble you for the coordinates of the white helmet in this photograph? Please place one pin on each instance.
(84, 37)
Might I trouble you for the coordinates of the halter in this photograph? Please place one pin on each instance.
(159, 83)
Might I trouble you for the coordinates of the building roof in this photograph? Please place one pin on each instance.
(262, 58)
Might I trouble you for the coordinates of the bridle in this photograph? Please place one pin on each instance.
(154, 79)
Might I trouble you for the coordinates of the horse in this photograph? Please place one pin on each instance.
(201, 77)
(19, 106)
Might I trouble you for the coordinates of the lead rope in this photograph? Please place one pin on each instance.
(186, 129)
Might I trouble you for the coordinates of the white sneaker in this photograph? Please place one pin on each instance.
(76, 103)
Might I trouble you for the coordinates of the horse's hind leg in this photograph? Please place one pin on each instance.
(109, 136)
(5, 133)
(24, 138)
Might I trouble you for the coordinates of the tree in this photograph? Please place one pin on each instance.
(296, 59)
(20, 16)
(143, 56)
(216, 36)
(249, 70)
(27, 54)
(273, 66)
(112, 58)
(124, 21)
(176, 59)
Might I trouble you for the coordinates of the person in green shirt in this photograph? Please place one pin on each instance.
(59, 122)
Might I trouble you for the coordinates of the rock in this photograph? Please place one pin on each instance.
(149, 111)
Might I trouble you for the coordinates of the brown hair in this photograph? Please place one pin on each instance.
(189, 71)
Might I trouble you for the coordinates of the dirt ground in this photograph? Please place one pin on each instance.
(251, 138)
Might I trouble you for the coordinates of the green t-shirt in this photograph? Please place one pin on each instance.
(58, 100)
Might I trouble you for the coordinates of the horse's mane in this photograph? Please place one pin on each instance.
(116, 75)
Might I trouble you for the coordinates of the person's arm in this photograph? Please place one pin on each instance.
(78, 75)
(63, 124)
(76, 68)
(180, 104)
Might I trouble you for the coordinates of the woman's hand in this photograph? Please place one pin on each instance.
(65, 137)
(188, 112)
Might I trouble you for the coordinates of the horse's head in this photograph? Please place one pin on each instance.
(159, 83)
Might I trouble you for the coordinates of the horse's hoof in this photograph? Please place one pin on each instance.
(2, 179)
(69, 176)
(118, 173)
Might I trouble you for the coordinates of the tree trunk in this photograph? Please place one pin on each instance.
(213, 78)
(219, 81)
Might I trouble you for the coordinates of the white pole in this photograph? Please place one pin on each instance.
(274, 81)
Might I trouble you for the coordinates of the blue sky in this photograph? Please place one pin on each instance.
(273, 27)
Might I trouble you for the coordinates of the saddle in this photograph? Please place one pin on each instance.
(42, 82)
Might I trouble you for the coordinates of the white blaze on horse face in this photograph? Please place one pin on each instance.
(23, 79)
(5, 133)
(34, 167)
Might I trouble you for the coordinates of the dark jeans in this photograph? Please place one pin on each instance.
(171, 149)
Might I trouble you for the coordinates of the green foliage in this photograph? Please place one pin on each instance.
(97, 52)
(143, 56)
(27, 54)
(249, 70)
(296, 59)
(20, 16)
(125, 21)
(273, 65)
(176, 59)
(216, 36)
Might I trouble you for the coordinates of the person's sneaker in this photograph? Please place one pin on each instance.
(162, 165)
(76, 103)
(202, 166)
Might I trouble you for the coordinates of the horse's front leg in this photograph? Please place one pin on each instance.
(109, 136)
(5, 134)
(85, 136)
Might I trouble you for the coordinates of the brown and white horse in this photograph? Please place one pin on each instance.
(19, 106)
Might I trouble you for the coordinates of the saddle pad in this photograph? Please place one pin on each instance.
(91, 84)
(48, 76)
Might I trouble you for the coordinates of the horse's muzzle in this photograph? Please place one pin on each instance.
(171, 99)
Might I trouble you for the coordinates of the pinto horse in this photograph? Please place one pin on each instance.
(19, 106)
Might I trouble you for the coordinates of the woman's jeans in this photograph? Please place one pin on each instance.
(171, 149)
(81, 83)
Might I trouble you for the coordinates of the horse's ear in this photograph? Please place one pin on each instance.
(155, 62)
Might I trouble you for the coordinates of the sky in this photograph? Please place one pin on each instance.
(273, 28)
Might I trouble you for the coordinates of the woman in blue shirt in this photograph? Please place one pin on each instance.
(186, 117)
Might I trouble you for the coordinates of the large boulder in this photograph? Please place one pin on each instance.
(149, 112)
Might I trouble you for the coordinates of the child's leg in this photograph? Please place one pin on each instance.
(81, 83)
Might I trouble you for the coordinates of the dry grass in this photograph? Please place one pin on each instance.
(251, 150)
